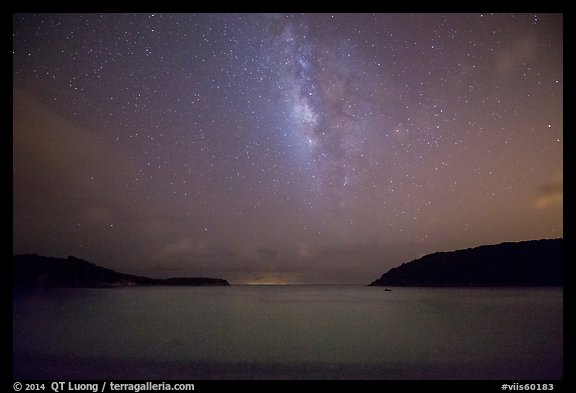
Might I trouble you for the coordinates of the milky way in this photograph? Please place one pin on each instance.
(283, 148)
(323, 96)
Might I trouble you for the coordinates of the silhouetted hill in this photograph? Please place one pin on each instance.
(527, 263)
(39, 271)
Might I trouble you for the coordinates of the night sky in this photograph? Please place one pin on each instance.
(271, 148)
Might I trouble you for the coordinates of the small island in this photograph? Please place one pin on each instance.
(34, 271)
(526, 263)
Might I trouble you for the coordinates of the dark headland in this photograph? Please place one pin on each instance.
(526, 263)
(39, 271)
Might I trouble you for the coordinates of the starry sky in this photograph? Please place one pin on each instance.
(283, 148)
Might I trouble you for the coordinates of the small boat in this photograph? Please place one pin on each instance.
(387, 290)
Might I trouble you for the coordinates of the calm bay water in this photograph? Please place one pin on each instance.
(289, 332)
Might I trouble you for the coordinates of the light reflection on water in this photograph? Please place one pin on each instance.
(516, 329)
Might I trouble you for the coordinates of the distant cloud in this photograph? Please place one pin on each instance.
(268, 253)
(519, 51)
(98, 214)
(66, 179)
(551, 194)
(270, 278)
(179, 248)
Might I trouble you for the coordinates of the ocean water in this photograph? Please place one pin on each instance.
(288, 332)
